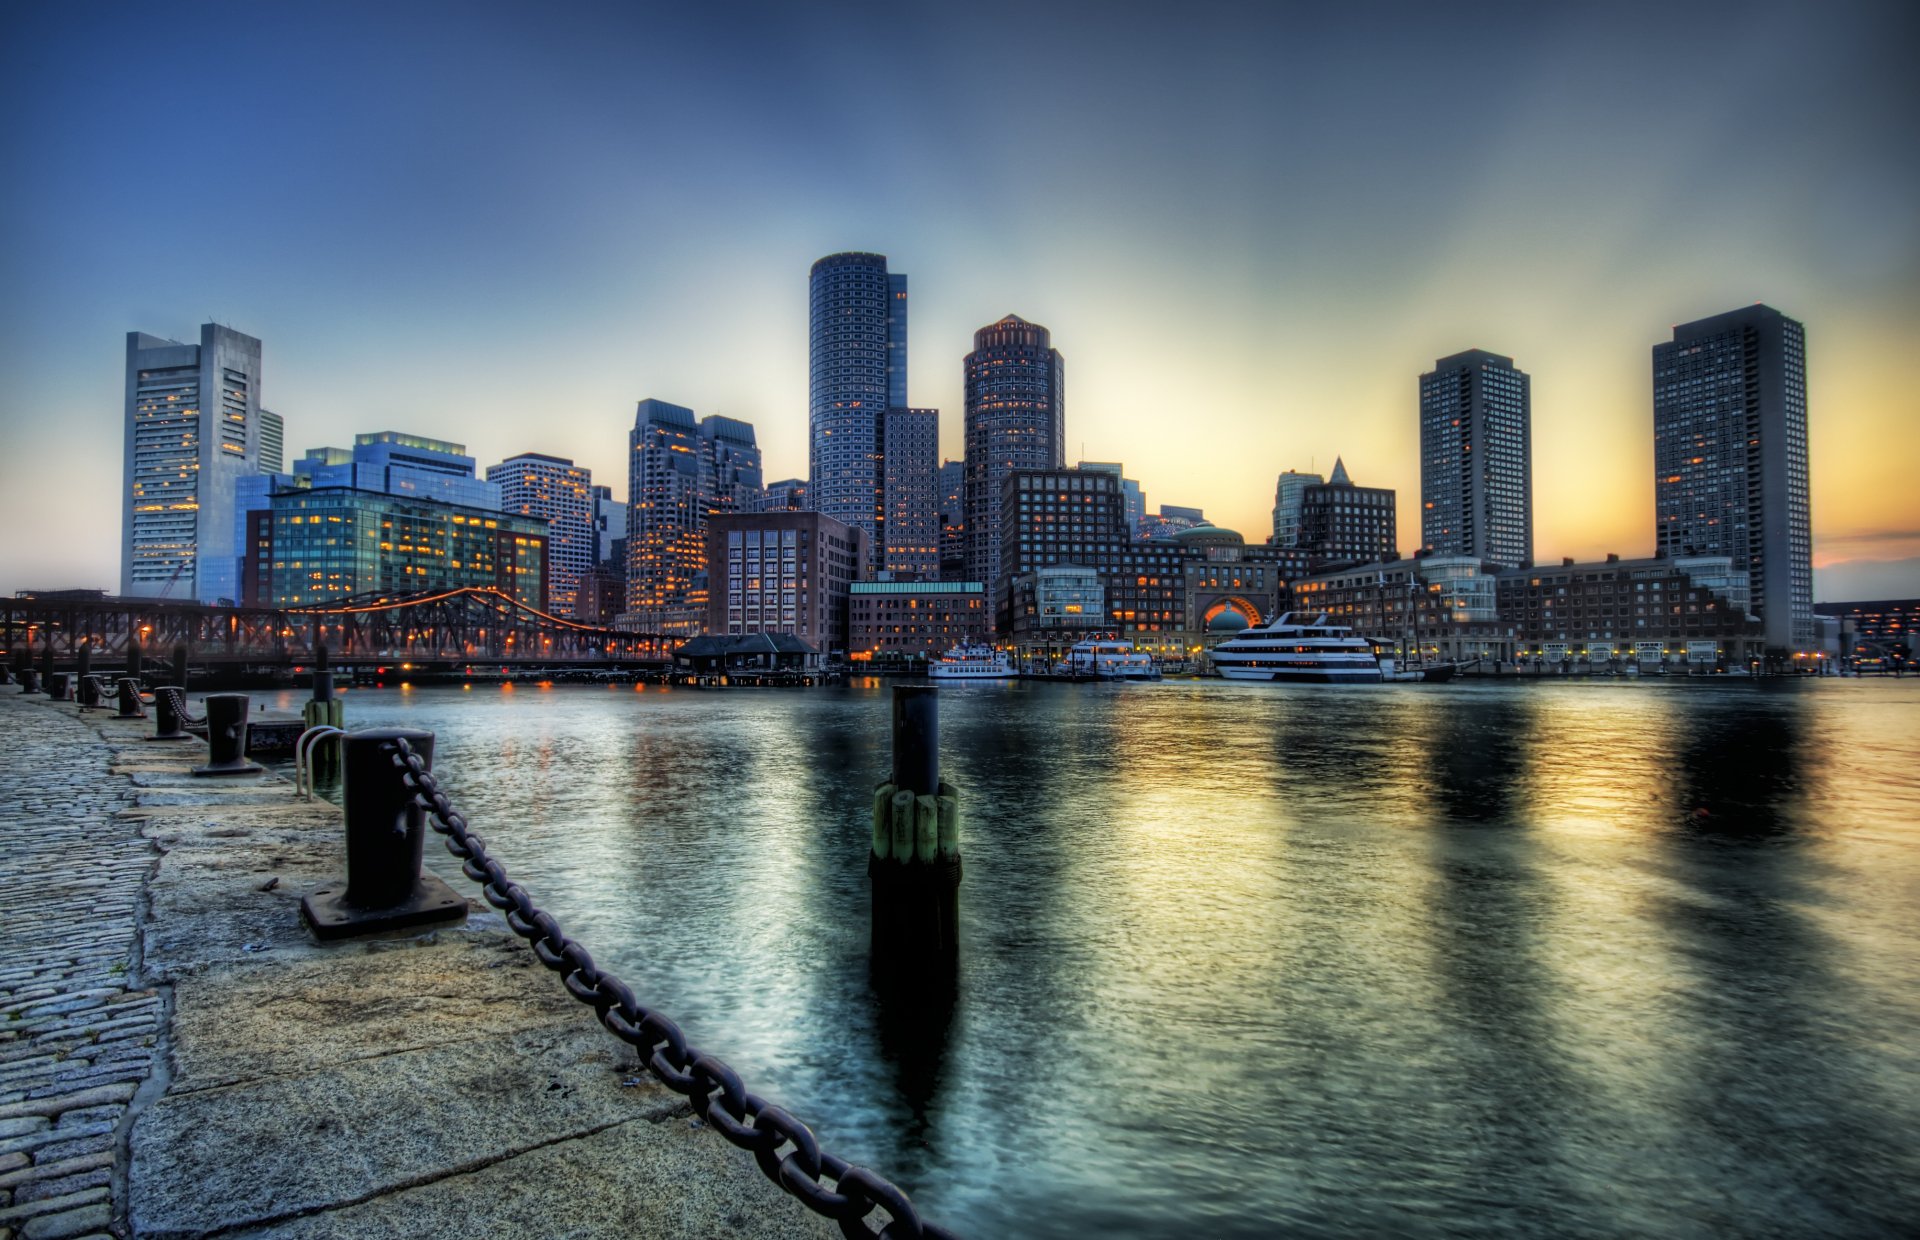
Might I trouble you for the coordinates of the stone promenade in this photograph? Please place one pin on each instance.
(79, 1033)
(178, 1058)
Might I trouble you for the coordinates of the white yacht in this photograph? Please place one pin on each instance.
(1106, 658)
(1286, 651)
(973, 663)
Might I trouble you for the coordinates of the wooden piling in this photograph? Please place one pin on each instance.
(914, 861)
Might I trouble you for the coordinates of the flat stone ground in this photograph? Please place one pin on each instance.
(178, 1057)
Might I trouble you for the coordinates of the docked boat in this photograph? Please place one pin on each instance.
(1290, 652)
(973, 663)
(1106, 658)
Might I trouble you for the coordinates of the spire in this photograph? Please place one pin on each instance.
(1339, 478)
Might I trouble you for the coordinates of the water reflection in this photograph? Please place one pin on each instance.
(1420, 961)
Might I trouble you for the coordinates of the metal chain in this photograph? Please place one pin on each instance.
(180, 709)
(718, 1095)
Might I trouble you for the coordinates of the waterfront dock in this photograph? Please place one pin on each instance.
(179, 1058)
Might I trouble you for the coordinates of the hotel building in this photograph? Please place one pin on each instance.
(916, 618)
(1339, 522)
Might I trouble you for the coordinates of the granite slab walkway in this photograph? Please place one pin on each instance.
(178, 1058)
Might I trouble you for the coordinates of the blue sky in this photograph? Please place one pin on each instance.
(1249, 227)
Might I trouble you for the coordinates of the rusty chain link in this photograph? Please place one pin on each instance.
(179, 697)
(827, 1185)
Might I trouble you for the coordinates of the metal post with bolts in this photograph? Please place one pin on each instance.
(83, 669)
(227, 737)
(92, 691)
(385, 888)
(325, 710)
(57, 687)
(130, 707)
(915, 859)
(167, 700)
(30, 681)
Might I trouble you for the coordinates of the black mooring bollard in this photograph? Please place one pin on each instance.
(227, 737)
(90, 691)
(136, 658)
(83, 667)
(58, 689)
(46, 665)
(915, 859)
(385, 888)
(180, 667)
(167, 701)
(30, 681)
(130, 707)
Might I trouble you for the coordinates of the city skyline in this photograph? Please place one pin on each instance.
(1228, 261)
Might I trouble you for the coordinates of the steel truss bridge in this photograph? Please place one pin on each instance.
(435, 628)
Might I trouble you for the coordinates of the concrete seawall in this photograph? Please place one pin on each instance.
(178, 1057)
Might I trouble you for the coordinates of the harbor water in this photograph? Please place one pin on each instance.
(1562, 958)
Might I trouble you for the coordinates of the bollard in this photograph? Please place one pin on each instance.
(91, 691)
(914, 861)
(227, 737)
(46, 664)
(180, 666)
(325, 710)
(83, 668)
(30, 681)
(130, 707)
(385, 889)
(136, 660)
(58, 689)
(167, 701)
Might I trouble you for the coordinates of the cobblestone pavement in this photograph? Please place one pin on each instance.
(77, 1041)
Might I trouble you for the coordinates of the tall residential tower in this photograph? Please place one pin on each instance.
(1730, 459)
(1015, 419)
(857, 370)
(555, 490)
(1476, 459)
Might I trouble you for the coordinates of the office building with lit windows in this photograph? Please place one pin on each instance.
(923, 619)
(1287, 491)
(783, 572)
(556, 491)
(193, 429)
(1730, 459)
(323, 544)
(681, 471)
(909, 484)
(1476, 459)
(1015, 420)
(951, 487)
(785, 495)
(857, 370)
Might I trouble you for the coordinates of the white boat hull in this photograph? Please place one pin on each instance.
(1305, 675)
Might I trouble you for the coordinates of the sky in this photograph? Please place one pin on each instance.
(1249, 227)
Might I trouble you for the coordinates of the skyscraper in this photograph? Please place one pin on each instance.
(273, 442)
(1015, 419)
(1730, 458)
(912, 499)
(680, 472)
(193, 429)
(556, 491)
(1131, 493)
(1476, 459)
(952, 486)
(857, 370)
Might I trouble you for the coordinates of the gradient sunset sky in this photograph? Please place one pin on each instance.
(1249, 227)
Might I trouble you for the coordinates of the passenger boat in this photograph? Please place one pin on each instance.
(1290, 652)
(973, 663)
(1106, 658)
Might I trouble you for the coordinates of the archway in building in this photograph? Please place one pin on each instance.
(1229, 615)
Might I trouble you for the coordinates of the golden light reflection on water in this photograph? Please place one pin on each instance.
(1582, 959)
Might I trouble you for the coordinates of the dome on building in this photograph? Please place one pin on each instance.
(1228, 621)
(1210, 534)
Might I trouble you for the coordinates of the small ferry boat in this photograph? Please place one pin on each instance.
(1290, 652)
(973, 663)
(1106, 658)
